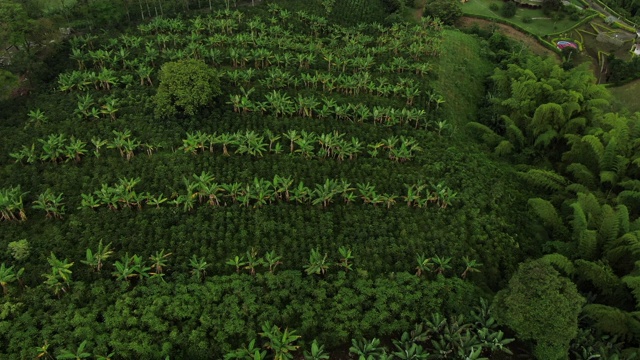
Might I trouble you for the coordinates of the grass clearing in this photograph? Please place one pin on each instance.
(627, 95)
(540, 25)
(461, 72)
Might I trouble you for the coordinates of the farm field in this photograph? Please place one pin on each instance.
(321, 138)
(296, 180)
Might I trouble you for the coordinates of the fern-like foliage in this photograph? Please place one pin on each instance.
(623, 247)
(560, 262)
(544, 140)
(623, 219)
(485, 133)
(591, 206)
(633, 282)
(588, 244)
(613, 320)
(548, 213)
(608, 177)
(630, 184)
(608, 158)
(578, 220)
(600, 275)
(545, 179)
(571, 107)
(547, 117)
(608, 229)
(583, 175)
(513, 132)
(629, 198)
(575, 125)
(577, 188)
(505, 147)
(596, 146)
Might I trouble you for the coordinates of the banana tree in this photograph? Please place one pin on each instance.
(96, 260)
(11, 205)
(237, 261)
(318, 264)
(272, 260)
(198, 267)
(281, 343)
(471, 266)
(159, 262)
(51, 204)
(7, 276)
(36, 117)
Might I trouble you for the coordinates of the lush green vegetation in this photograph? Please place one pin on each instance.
(534, 21)
(305, 180)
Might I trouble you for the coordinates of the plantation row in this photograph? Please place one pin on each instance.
(135, 268)
(58, 148)
(261, 43)
(257, 193)
(274, 77)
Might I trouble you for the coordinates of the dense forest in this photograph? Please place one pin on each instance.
(282, 179)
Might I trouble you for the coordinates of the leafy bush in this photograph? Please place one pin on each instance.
(542, 306)
(494, 7)
(527, 19)
(509, 9)
(449, 11)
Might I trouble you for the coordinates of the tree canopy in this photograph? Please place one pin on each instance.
(185, 86)
(542, 306)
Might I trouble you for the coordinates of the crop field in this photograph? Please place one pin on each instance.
(347, 119)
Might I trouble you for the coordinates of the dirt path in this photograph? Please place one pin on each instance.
(515, 34)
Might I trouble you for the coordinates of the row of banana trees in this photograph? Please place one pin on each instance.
(332, 145)
(203, 188)
(395, 49)
(363, 82)
(280, 103)
(57, 148)
(133, 268)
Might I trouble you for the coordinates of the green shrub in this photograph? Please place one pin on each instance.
(574, 16)
(527, 19)
(494, 7)
(509, 9)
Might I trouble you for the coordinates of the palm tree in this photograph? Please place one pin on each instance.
(280, 342)
(78, 354)
(158, 262)
(346, 257)
(272, 260)
(59, 279)
(317, 352)
(7, 276)
(441, 264)
(238, 262)
(293, 136)
(198, 267)
(424, 265)
(471, 266)
(51, 204)
(36, 117)
(110, 108)
(96, 260)
(253, 261)
(318, 264)
(76, 149)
